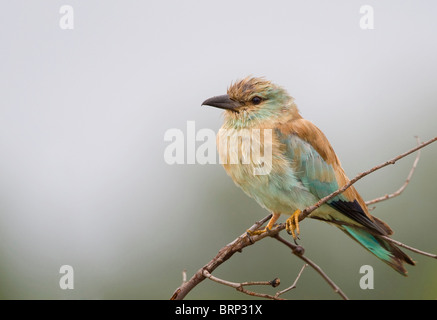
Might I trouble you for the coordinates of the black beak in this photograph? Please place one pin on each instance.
(222, 102)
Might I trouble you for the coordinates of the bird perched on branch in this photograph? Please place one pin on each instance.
(303, 166)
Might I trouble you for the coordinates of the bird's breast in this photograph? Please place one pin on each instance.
(247, 154)
(254, 159)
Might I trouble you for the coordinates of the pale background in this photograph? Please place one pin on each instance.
(83, 114)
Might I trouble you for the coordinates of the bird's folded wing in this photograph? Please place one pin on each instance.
(317, 166)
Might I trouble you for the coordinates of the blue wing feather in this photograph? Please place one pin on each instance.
(319, 177)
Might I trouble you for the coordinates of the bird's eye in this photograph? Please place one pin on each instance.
(256, 100)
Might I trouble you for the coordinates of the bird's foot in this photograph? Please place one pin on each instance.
(258, 232)
(292, 224)
(273, 219)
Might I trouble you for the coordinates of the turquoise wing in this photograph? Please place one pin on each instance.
(315, 174)
(319, 178)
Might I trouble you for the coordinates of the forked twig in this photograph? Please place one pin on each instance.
(297, 250)
(240, 286)
(307, 211)
(294, 283)
(402, 188)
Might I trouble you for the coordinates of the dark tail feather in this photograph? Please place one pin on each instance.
(384, 250)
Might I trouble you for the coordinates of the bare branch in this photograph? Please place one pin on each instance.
(223, 255)
(298, 251)
(184, 276)
(236, 246)
(240, 286)
(402, 188)
(400, 244)
(307, 211)
(294, 283)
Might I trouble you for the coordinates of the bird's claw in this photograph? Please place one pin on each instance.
(292, 225)
(258, 232)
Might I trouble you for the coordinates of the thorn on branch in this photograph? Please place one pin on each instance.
(184, 276)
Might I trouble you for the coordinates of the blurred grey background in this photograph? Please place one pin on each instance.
(83, 113)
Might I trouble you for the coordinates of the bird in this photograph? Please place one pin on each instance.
(304, 167)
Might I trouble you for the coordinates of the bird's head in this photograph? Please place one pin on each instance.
(253, 100)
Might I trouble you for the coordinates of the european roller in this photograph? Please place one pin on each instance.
(304, 167)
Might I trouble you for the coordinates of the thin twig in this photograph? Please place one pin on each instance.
(240, 286)
(307, 211)
(294, 283)
(298, 252)
(184, 276)
(402, 188)
(400, 244)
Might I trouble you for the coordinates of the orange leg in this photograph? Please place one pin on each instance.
(292, 224)
(269, 226)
